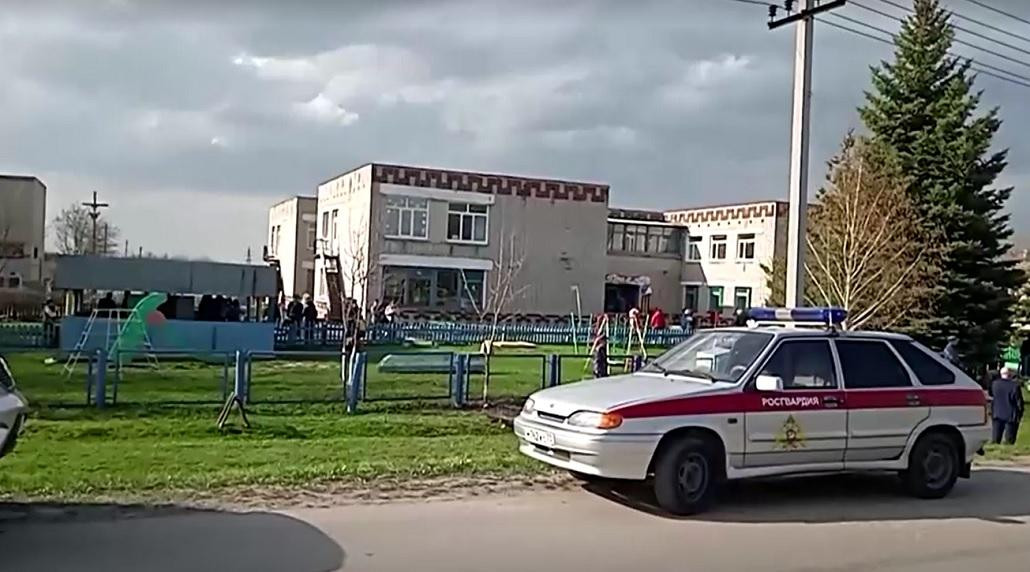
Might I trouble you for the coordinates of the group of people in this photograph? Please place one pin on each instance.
(301, 314)
(382, 313)
(218, 309)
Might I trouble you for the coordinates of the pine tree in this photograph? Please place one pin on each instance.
(923, 107)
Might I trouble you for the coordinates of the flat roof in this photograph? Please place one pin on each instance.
(463, 172)
(164, 275)
(723, 206)
(23, 178)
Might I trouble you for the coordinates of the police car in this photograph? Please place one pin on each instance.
(13, 408)
(775, 398)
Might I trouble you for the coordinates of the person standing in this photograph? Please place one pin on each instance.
(599, 353)
(687, 320)
(310, 316)
(950, 352)
(50, 322)
(658, 319)
(1006, 407)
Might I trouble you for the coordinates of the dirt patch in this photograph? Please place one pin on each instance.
(378, 491)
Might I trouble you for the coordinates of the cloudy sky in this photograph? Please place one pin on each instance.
(192, 117)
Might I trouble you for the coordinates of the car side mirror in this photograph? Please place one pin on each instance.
(768, 383)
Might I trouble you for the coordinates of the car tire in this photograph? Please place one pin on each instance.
(687, 476)
(933, 467)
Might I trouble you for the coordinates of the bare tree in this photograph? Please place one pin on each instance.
(867, 249)
(73, 229)
(355, 264)
(503, 290)
(5, 233)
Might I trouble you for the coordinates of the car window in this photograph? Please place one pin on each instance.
(804, 364)
(6, 380)
(870, 364)
(720, 355)
(928, 370)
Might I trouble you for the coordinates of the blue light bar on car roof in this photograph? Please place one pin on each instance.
(823, 315)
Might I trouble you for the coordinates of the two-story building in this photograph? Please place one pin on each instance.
(22, 232)
(433, 240)
(439, 242)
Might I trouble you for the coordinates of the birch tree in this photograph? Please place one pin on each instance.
(503, 291)
(867, 248)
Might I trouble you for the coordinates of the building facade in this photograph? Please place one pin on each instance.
(291, 242)
(452, 243)
(22, 232)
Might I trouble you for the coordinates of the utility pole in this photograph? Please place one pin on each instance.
(799, 138)
(94, 213)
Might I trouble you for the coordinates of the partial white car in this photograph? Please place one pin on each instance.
(13, 409)
(767, 400)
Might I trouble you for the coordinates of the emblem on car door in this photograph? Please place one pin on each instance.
(791, 436)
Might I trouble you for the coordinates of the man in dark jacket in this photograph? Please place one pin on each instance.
(1006, 407)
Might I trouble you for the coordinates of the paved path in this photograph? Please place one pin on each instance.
(833, 524)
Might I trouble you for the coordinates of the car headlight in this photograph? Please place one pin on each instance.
(595, 420)
(529, 406)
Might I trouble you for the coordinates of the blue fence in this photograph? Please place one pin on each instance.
(26, 335)
(314, 377)
(457, 333)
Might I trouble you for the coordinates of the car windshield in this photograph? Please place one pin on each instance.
(714, 355)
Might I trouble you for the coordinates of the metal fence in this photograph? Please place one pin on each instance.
(182, 378)
(460, 333)
(26, 335)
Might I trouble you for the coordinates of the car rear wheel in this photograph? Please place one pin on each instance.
(933, 467)
(686, 477)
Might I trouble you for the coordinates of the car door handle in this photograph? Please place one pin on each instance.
(913, 399)
(831, 401)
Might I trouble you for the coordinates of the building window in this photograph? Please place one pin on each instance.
(746, 247)
(467, 223)
(741, 298)
(694, 248)
(325, 224)
(35, 252)
(443, 289)
(14, 281)
(691, 296)
(646, 239)
(311, 236)
(407, 217)
(335, 224)
(715, 297)
(718, 247)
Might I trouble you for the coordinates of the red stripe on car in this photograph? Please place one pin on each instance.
(755, 402)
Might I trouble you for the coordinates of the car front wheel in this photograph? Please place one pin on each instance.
(686, 477)
(933, 467)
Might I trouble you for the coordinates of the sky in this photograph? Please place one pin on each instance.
(192, 118)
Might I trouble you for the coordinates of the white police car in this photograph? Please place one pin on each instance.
(13, 408)
(772, 399)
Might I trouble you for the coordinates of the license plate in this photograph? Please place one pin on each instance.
(543, 438)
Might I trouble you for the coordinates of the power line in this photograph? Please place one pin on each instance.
(975, 65)
(999, 11)
(955, 14)
(956, 40)
(755, 2)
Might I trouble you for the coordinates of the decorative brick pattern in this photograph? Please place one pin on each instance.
(633, 214)
(490, 184)
(733, 212)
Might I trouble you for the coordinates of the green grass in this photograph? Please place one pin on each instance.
(140, 447)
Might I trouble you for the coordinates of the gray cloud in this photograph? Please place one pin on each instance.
(196, 112)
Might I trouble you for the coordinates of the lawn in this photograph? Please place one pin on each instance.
(143, 446)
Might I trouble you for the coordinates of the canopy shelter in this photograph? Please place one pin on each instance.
(164, 275)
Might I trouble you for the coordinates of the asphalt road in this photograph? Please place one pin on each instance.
(834, 524)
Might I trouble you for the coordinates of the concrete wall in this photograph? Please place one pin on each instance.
(350, 197)
(23, 226)
(186, 335)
